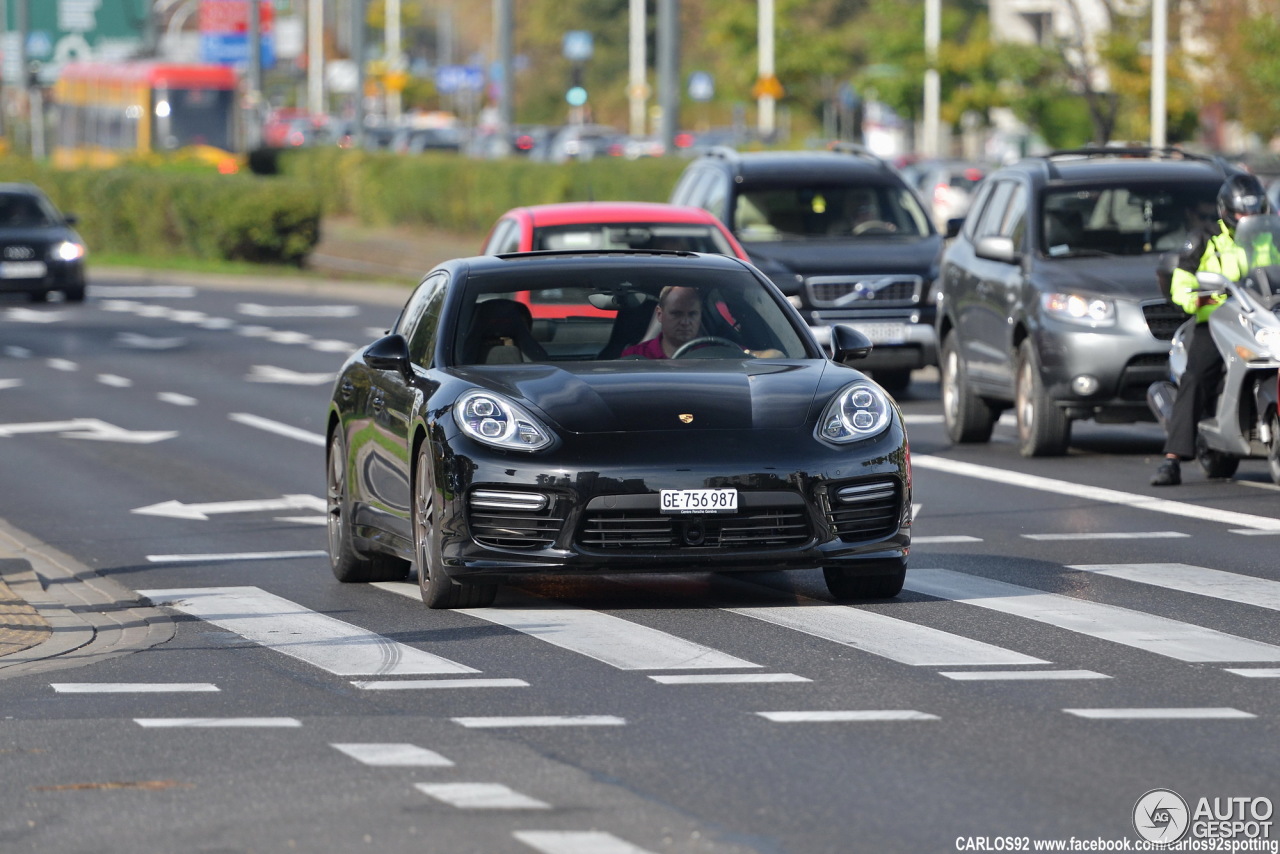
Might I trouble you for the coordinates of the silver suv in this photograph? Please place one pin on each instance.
(1049, 300)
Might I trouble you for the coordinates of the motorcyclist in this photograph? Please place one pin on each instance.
(1215, 250)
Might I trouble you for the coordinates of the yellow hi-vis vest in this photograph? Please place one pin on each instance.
(1221, 255)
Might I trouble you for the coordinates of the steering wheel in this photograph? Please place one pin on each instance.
(874, 225)
(706, 340)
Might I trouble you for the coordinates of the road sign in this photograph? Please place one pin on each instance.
(459, 78)
(767, 87)
(576, 96)
(702, 86)
(578, 46)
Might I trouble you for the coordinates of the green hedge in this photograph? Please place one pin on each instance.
(461, 194)
(138, 210)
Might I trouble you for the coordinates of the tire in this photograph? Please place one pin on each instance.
(38, 296)
(1273, 449)
(438, 590)
(1215, 464)
(879, 579)
(348, 565)
(1044, 430)
(968, 417)
(73, 294)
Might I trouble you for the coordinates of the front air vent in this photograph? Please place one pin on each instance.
(514, 520)
(865, 511)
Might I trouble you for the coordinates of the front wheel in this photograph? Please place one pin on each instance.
(968, 417)
(1215, 464)
(877, 579)
(438, 589)
(1044, 430)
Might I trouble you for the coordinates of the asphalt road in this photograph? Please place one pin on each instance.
(1070, 638)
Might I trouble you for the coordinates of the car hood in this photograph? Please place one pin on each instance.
(918, 255)
(1125, 276)
(684, 394)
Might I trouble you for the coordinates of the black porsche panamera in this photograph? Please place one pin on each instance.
(480, 445)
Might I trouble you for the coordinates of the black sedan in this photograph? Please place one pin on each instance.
(40, 252)
(481, 446)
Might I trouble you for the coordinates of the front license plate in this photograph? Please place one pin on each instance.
(699, 500)
(22, 269)
(883, 333)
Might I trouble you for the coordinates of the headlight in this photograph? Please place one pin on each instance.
(68, 250)
(1074, 308)
(493, 420)
(1270, 338)
(859, 411)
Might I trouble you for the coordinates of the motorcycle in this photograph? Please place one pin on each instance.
(1246, 331)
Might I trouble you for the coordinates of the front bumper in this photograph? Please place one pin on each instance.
(808, 506)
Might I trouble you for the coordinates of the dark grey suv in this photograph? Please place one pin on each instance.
(1049, 300)
(841, 234)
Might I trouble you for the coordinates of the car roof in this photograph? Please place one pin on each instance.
(1119, 166)
(586, 213)
(18, 187)
(815, 166)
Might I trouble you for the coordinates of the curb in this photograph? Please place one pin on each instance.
(87, 618)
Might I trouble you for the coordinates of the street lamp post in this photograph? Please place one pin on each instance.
(1159, 43)
(932, 82)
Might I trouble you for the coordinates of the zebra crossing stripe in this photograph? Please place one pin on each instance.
(1160, 714)
(889, 637)
(152, 723)
(131, 687)
(399, 755)
(727, 678)
(1228, 586)
(318, 639)
(853, 716)
(1014, 675)
(536, 721)
(1255, 672)
(1159, 635)
(482, 796)
(577, 842)
(427, 684)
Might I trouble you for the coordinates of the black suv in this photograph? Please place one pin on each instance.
(843, 236)
(1049, 299)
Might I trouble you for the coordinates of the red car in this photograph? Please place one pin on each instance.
(604, 225)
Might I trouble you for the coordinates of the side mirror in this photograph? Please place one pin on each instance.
(997, 248)
(388, 354)
(1215, 282)
(953, 226)
(70, 219)
(848, 344)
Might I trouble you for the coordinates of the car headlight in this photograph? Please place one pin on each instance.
(493, 420)
(68, 250)
(859, 411)
(1270, 338)
(1076, 308)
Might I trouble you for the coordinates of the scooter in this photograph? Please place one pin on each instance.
(1246, 331)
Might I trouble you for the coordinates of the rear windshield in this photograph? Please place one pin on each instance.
(642, 236)
(1123, 220)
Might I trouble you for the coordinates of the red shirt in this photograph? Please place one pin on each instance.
(651, 349)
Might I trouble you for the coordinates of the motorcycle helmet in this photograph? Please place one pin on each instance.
(1241, 195)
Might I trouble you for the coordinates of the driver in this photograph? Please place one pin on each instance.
(679, 316)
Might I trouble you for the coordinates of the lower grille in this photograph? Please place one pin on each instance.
(865, 511)
(516, 529)
(751, 528)
(1163, 319)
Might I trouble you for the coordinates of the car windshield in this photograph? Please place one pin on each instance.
(689, 238)
(833, 210)
(742, 316)
(20, 210)
(1122, 220)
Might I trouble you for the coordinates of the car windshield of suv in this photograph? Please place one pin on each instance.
(829, 211)
(736, 316)
(1122, 220)
(686, 238)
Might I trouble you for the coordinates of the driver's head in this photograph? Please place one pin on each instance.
(1241, 195)
(679, 314)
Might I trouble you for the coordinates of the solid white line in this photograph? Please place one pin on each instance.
(1094, 493)
(853, 716)
(960, 538)
(480, 796)
(286, 627)
(217, 722)
(728, 678)
(1159, 635)
(1134, 535)
(545, 720)
(1010, 675)
(1202, 581)
(1160, 714)
(409, 755)
(419, 684)
(210, 558)
(176, 399)
(276, 427)
(889, 637)
(130, 687)
(577, 842)
(1256, 672)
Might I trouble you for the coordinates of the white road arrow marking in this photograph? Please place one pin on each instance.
(178, 510)
(255, 310)
(272, 374)
(276, 427)
(146, 342)
(88, 428)
(27, 315)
